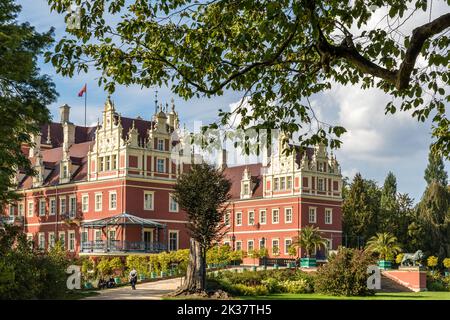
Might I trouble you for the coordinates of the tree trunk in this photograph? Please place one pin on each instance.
(195, 279)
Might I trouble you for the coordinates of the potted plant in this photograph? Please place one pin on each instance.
(446, 263)
(309, 239)
(386, 246)
(264, 253)
(292, 252)
(276, 253)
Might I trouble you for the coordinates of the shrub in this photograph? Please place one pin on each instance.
(116, 266)
(432, 261)
(272, 285)
(296, 286)
(137, 262)
(104, 267)
(399, 258)
(446, 263)
(153, 262)
(344, 274)
(245, 290)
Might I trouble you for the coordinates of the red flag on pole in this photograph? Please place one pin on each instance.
(80, 94)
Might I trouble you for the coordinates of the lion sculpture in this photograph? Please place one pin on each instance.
(411, 258)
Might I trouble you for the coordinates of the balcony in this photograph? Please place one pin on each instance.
(117, 246)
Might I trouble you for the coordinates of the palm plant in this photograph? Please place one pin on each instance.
(308, 239)
(385, 244)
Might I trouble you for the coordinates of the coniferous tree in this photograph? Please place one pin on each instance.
(24, 93)
(389, 214)
(435, 170)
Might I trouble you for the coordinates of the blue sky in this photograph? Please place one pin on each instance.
(375, 143)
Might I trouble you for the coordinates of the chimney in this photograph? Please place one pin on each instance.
(36, 149)
(64, 112)
(222, 159)
(69, 134)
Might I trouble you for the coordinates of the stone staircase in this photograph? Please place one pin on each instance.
(389, 285)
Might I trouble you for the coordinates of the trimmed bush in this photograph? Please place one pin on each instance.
(296, 286)
(344, 274)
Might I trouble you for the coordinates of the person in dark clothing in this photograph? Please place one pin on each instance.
(133, 278)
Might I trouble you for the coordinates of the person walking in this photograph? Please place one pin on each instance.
(133, 278)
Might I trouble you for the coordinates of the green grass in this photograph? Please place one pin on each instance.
(426, 295)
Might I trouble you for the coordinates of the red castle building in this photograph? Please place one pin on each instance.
(106, 190)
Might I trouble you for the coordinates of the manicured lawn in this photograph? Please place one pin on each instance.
(379, 296)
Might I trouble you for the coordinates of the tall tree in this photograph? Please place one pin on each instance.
(270, 50)
(24, 93)
(360, 211)
(435, 170)
(203, 193)
(434, 217)
(389, 213)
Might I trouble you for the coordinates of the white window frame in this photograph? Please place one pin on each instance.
(273, 220)
(69, 243)
(276, 184)
(248, 245)
(52, 209)
(51, 242)
(30, 206)
(62, 233)
(171, 202)
(265, 216)
(20, 209)
(286, 247)
(84, 232)
(11, 210)
(85, 203)
(237, 220)
(285, 215)
(323, 184)
(310, 210)
(98, 232)
(30, 238)
(152, 193)
(240, 244)
(177, 232)
(72, 206)
(289, 182)
(330, 211)
(282, 183)
(97, 208)
(42, 209)
(61, 200)
(261, 241)
(41, 236)
(278, 246)
(159, 145)
(248, 218)
(227, 218)
(157, 165)
(111, 207)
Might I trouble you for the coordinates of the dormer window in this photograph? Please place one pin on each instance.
(160, 144)
(108, 163)
(246, 190)
(283, 183)
(321, 167)
(65, 172)
(276, 184)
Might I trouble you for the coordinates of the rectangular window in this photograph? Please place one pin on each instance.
(84, 237)
(20, 209)
(276, 184)
(85, 203)
(320, 166)
(246, 189)
(275, 246)
(173, 240)
(238, 218)
(289, 183)
(251, 218)
(312, 215)
(226, 219)
(283, 183)
(41, 241)
(288, 215)
(238, 245)
(42, 204)
(100, 164)
(98, 235)
(112, 235)
(62, 239)
(52, 207)
(320, 185)
(250, 245)
(72, 206)
(30, 240)
(148, 200)
(329, 244)
(11, 210)
(262, 243)
(328, 216)
(51, 240)
(287, 244)
(173, 205)
(71, 241)
(114, 162)
(262, 217)
(161, 165)
(275, 216)
(161, 144)
(62, 205)
(30, 209)
(98, 201)
(108, 163)
(112, 200)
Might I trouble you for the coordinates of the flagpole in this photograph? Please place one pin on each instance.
(85, 101)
